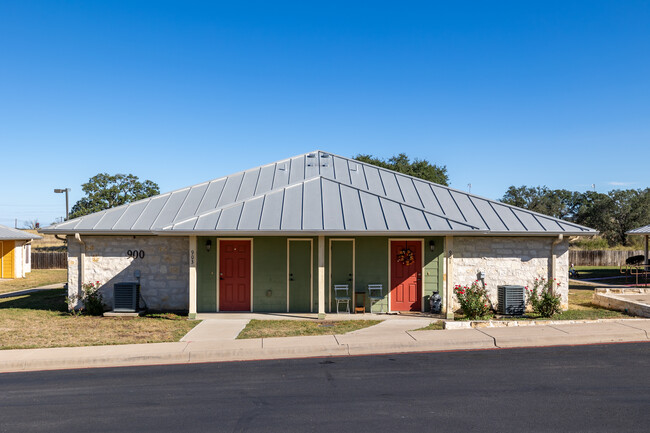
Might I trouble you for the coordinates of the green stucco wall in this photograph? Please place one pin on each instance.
(270, 271)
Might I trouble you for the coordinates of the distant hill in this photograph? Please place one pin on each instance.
(48, 243)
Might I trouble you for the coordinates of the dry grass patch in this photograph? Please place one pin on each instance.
(41, 320)
(36, 278)
(581, 308)
(293, 328)
(433, 326)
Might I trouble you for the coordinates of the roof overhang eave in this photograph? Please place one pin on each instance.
(361, 233)
(311, 233)
(69, 232)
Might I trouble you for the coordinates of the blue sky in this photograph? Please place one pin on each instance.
(179, 92)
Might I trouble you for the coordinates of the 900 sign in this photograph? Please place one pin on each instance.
(135, 254)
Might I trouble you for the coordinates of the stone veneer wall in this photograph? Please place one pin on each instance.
(510, 261)
(164, 269)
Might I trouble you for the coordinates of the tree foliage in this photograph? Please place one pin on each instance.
(105, 191)
(31, 224)
(612, 214)
(558, 203)
(401, 163)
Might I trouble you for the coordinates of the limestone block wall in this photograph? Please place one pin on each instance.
(510, 261)
(163, 266)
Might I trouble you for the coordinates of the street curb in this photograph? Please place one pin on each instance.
(480, 324)
(189, 356)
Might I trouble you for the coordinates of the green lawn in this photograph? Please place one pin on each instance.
(587, 272)
(35, 278)
(41, 319)
(293, 328)
(433, 326)
(598, 271)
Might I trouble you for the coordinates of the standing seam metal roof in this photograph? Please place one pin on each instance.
(8, 234)
(645, 230)
(315, 192)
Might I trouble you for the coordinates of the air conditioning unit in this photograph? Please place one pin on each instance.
(512, 300)
(126, 297)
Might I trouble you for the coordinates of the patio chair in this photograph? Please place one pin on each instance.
(342, 296)
(376, 294)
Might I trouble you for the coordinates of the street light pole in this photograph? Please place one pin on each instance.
(64, 190)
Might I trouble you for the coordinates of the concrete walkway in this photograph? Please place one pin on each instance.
(35, 289)
(214, 341)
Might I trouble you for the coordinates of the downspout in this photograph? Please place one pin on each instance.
(554, 256)
(82, 259)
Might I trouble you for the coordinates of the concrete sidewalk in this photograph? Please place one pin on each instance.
(35, 289)
(214, 341)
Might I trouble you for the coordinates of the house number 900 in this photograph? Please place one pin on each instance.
(135, 254)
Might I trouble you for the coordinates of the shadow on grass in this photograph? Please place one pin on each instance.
(49, 300)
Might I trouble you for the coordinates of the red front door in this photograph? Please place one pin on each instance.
(405, 275)
(234, 275)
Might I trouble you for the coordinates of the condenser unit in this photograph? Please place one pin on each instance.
(126, 297)
(512, 300)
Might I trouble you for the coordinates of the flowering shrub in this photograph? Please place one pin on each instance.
(542, 297)
(473, 300)
(91, 297)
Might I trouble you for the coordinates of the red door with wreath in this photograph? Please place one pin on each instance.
(405, 275)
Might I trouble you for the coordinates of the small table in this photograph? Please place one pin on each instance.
(360, 309)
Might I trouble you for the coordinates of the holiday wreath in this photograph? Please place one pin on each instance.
(405, 257)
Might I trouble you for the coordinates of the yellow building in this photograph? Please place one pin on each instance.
(15, 252)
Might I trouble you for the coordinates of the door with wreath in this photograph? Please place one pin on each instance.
(405, 275)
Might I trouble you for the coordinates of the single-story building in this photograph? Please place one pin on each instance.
(645, 232)
(15, 252)
(280, 237)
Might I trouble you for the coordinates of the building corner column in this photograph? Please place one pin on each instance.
(81, 276)
(553, 267)
(321, 277)
(192, 300)
(448, 277)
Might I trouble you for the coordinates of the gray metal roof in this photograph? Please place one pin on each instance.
(7, 234)
(318, 192)
(645, 230)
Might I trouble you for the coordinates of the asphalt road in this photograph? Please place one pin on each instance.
(603, 388)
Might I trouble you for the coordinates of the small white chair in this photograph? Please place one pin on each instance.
(376, 294)
(342, 295)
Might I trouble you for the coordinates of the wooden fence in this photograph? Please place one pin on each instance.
(601, 257)
(50, 260)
